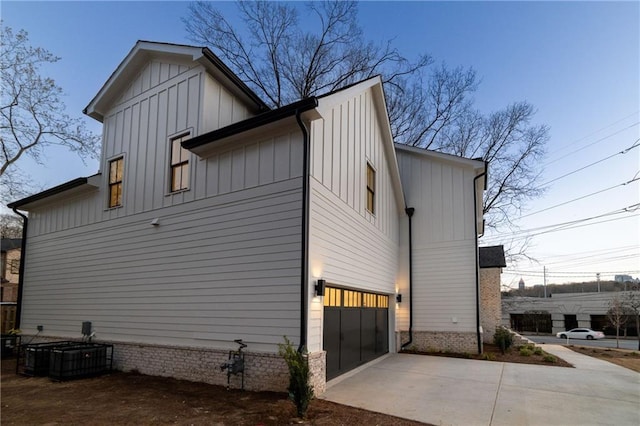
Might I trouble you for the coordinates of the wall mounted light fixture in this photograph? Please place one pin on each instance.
(320, 287)
(398, 298)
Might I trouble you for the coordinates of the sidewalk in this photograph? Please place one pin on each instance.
(450, 391)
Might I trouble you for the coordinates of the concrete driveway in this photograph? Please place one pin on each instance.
(450, 391)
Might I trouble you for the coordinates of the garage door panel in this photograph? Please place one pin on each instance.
(355, 328)
(331, 340)
(382, 331)
(368, 333)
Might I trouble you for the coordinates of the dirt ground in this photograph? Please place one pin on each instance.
(622, 357)
(492, 353)
(135, 399)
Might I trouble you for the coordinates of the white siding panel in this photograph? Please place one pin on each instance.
(443, 242)
(346, 250)
(214, 270)
(444, 287)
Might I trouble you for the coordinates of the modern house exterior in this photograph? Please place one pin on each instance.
(215, 218)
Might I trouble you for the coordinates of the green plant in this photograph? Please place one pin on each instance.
(537, 351)
(488, 357)
(503, 339)
(300, 390)
(549, 358)
(525, 351)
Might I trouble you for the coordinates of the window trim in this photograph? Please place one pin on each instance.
(110, 184)
(370, 190)
(179, 135)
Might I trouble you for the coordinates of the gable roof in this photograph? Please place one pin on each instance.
(374, 84)
(492, 257)
(144, 51)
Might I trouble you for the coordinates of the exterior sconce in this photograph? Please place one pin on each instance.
(320, 287)
(398, 298)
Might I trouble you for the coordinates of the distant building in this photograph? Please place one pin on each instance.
(9, 277)
(563, 312)
(521, 284)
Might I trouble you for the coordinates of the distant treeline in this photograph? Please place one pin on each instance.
(584, 287)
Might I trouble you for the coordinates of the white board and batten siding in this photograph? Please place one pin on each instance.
(444, 248)
(349, 246)
(224, 261)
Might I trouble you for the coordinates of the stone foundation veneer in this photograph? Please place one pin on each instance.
(434, 341)
(263, 371)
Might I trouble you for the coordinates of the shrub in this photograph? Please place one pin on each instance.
(488, 357)
(525, 351)
(503, 339)
(300, 390)
(549, 358)
(537, 351)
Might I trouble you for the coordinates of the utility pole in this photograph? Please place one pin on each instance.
(598, 279)
(544, 271)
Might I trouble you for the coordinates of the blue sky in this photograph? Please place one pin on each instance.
(577, 62)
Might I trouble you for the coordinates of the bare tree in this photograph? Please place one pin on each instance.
(32, 113)
(632, 302)
(618, 315)
(10, 226)
(429, 106)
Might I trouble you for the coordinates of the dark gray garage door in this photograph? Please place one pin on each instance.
(356, 328)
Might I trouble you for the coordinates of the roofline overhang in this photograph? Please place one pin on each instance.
(478, 164)
(209, 141)
(74, 186)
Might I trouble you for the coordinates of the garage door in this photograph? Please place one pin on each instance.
(356, 328)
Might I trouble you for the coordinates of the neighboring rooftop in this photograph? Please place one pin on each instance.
(10, 243)
(492, 257)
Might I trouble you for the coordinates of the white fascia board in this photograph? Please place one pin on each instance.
(441, 156)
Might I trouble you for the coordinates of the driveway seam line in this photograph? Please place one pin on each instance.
(495, 402)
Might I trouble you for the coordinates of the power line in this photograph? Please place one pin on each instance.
(581, 198)
(539, 274)
(635, 145)
(596, 131)
(627, 209)
(592, 143)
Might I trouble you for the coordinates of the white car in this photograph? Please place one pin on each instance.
(580, 333)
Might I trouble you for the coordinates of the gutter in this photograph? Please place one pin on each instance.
(304, 266)
(268, 117)
(476, 238)
(48, 193)
(23, 257)
(410, 211)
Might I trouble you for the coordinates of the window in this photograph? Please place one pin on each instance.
(179, 164)
(116, 172)
(15, 266)
(371, 188)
